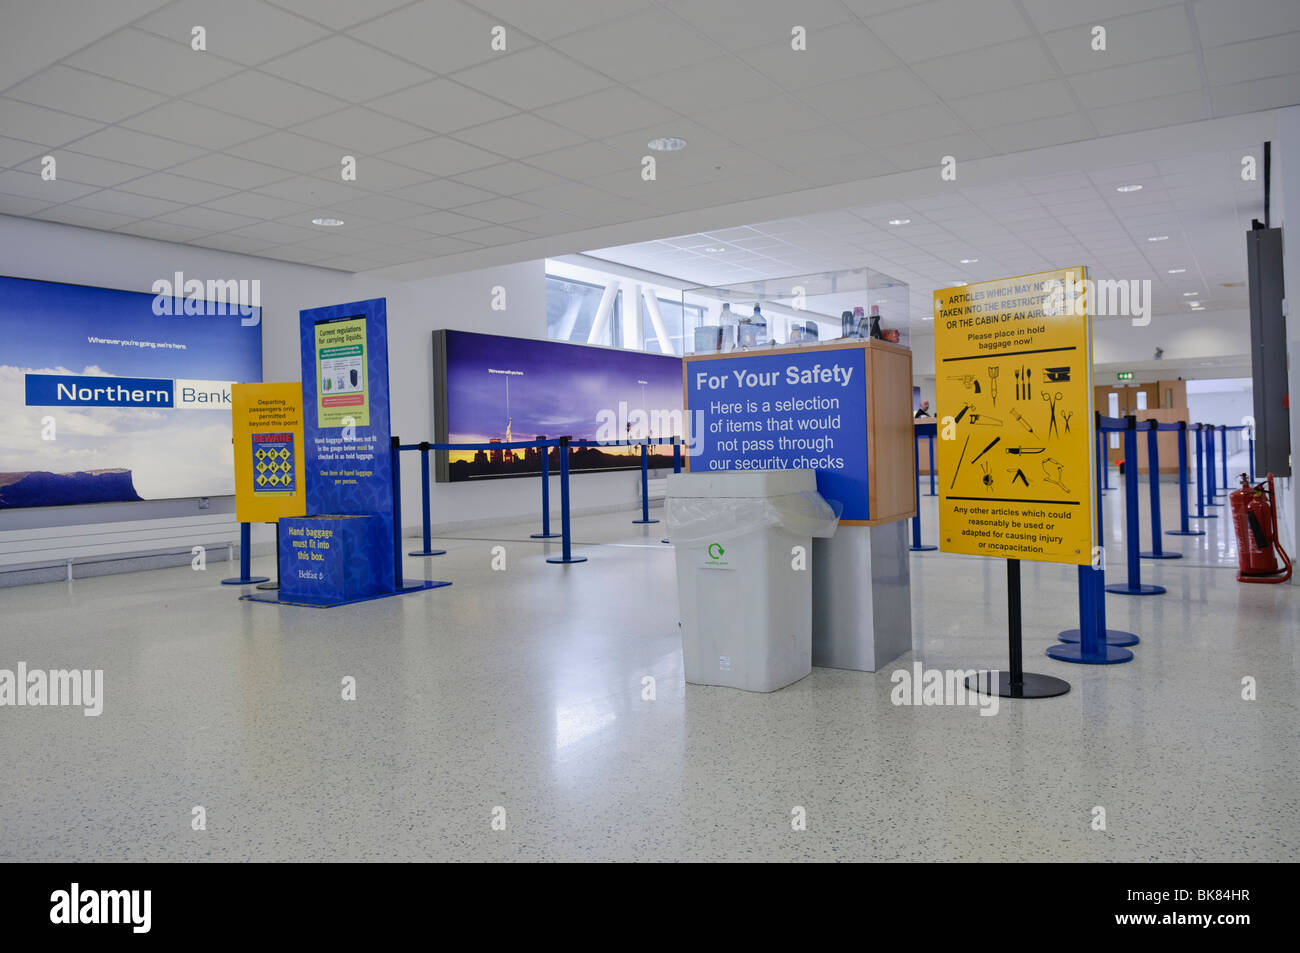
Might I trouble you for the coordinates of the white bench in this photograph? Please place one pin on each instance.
(68, 545)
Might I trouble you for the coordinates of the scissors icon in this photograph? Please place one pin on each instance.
(1066, 417)
(1052, 399)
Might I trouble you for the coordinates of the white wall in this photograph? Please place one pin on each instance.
(1286, 213)
(52, 252)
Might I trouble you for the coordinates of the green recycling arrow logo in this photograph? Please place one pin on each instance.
(716, 551)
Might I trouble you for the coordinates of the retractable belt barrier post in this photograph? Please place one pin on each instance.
(916, 546)
(245, 560)
(1097, 645)
(1184, 528)
(398, 577)
(645, 486)
(1211, 491)
(1104, 482)
(1201, 501)
(1153, 480)
(1223, 455)
(427, 549)
(1250, 453)
(566, 552)
(930, 439)
(1134, 586)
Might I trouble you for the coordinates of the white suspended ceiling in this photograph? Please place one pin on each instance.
(469, 155)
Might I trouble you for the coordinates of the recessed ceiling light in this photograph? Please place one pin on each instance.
(1191, 294)
(667, 144)
(1157, 238)
(327, 222)
(1176, 271)
(900, 221)
(714, 249)
(1128, 188)
(969, 261)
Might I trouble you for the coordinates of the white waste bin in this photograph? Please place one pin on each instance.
(744, 573)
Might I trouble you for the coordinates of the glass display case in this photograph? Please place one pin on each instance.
(805, 309)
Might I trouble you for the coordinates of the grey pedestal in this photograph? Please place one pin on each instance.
(862, 597)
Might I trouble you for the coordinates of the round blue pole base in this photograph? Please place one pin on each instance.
(1073, 652)
(428, 552)
(665, 540)
(545, 535)
(645, 521)
(1206, 516)
(922, 549)
(571, 559)
(1185, 532)
(1113, 637)
(1122, 588)
(236, 581)
(1161, 555)
(929, 494)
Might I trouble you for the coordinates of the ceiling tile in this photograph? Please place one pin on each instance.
(444, 223)
(848, 50)
(442, 106)
(535, 77)
(83, 94)
(287, 150)
(40, 125)
(643, 44)
(361, 131)
(509, 178)
(611, 111)
(753, 121)
(232, 171)
(32, 186)
(1273, 93)
(368, 73)
(441, 156)
(195, 124)
(882, 92)
(1131, 39)
(501, 211)
(246, 31)
(266, 99)
(82, 217)
(14, 152)
(586, 160)
(162, 231)
(930, 152)
(1001, 66)
(1149, 113)
(442, 193)
(92, 170)
(1145, 80)
(1048, 15)
(554, 18)
(1021, 103)
(18, 205)
(520, 136)
(1037, 133)
(339, 14)
(138, 148)
(124, 203)
(440, 36)
(1253, 59)
(742, 26)
(1221, 23)
(175, 188)
(312, 191)
(255, 205)
(145, 59)
(381, 208)
(232, 243)
(495, 235)
(278, 233)
(208, 219)
(942, 27)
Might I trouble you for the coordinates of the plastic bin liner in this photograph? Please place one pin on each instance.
(697, 519)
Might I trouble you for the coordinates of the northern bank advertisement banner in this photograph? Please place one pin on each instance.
(107, 397)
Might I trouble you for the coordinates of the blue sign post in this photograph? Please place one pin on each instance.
(786, 410)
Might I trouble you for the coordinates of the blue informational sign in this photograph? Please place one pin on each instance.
(785, 410)
(327, 559)
(347, 449)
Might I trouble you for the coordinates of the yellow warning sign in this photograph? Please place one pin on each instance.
(1013, 388)
(268, 451)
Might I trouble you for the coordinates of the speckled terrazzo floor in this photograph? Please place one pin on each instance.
(522, 689)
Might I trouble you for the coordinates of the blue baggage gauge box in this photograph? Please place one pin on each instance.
(327, 560)
(783, 410)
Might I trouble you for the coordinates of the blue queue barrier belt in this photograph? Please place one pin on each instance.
(919, 431)
(645, 463)
(1201, 500)
(1092, 643)
(1153, 481)
(1134, 586)
(245, 577)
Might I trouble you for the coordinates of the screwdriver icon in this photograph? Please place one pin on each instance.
(1023, 422)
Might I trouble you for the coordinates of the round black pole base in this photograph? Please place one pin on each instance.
(545, 535)
(1160, 555)
(571, 559)
(1117, 637)
(665, 541)
(269, 586)
(921, 549)
(1032, 686)
(1185, 532)
(645, 521)
(1143, 589)
(427, 552)
(236, 581)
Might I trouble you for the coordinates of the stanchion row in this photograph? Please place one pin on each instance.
(1093, 643)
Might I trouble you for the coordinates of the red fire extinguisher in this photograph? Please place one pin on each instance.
(1254, 514)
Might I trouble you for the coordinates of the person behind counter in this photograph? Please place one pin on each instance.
(924, 411)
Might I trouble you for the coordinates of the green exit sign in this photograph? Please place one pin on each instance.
(1124, 376)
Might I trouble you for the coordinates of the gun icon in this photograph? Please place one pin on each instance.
(970, 380)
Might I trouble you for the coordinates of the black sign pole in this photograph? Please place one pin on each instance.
(1016, 683)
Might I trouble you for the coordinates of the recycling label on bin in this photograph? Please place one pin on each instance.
(716, 557)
